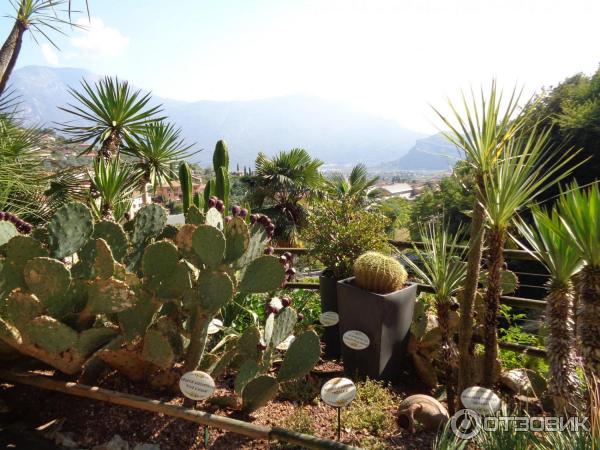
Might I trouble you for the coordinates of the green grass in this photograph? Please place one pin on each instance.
(372, 409)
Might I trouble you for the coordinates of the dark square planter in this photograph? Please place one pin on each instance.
(331, 335)
(385, 319)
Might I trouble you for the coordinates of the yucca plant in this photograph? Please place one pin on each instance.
(114, 183)
(156, 148)
(357, 187)
(40, 17)
(507, 436)
(441, 267)
(527, 167)
(110, 111)
(480, 127)
(547, 241)
(580, 213)
(445, 439)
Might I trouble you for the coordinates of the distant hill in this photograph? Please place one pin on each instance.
(431, 153)
(331, 131)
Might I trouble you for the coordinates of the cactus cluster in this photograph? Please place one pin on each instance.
(376, 272)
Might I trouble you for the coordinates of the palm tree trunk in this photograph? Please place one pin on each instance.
(465, 331)
(443, 313)
(562, 385)
(492, 304)
(10, 52)
(589, 318)
(111, 145)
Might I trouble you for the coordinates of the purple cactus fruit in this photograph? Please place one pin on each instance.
(291, 272)
(274, 309)
(1, 215)
(228, 219)
(270, 233)
(243, 212)
(283, 260)
(286, 301)
(270, 228)
(253, 218)
(235, 210)
(269, 250)
(260, 346)
(264, 220)
(12, 218)
(220, 206)
(288, 255)
(300, 317)
(212, 203)
(27, 228)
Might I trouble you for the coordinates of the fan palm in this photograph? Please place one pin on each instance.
(110, 111)
(527, 167)
(280, 184)
(356, 187)
(552, 247)
(580, 213)
(480, 131)
(442, 269)
(37, 16)
(114, 182)
(156, 149)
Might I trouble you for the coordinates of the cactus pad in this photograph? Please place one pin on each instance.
(301, 357)
(158, 258)
(49, 280)
(21, 249)
(247, 372)
(92, 339)
(237, 238)
(135, 321)
(209, 244)
(49, 334)
(69, 229)
(148, 223)
(283, 326)
(183, 240)
(157, 349)
(194, 216)
(264, 274)
(7, 231)
(248, 342)
(104, 264)
(109, 296)
(259, 241)
(214, 218)
(115, 237)
(21, 307)
(214, 290)
(258, 393)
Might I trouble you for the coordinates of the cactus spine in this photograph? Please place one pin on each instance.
(376, 272)
(185, 180)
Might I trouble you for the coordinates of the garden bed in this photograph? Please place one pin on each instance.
(369, 422)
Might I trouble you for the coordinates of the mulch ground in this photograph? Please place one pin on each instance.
(90, 422)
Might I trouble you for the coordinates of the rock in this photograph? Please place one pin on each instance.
(423, 409)
(65, 439)
(147, 447)
(517, 381)
(116, 443)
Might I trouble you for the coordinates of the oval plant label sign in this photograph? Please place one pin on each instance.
(480, 399)
(329, 319)
(197, 385)
(338, 392)
(356, 340)
(286, 343)
(215, 326)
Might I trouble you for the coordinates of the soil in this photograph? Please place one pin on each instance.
(91, 422)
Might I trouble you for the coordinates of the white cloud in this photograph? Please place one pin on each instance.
(49, 54)
(99, 40)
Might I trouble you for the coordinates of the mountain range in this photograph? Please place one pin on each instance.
(332, 131)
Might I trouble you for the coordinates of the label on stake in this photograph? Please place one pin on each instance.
(356, 340)
(329, 318)
(338, 392)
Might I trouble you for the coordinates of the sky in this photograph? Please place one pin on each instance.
(392, 58)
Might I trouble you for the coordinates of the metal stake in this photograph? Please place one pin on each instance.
(339, 411)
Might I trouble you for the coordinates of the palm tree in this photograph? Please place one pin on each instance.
(114, 183)
(280, 185)
(442, 269)
(550, 245)
(356, 187)
(480, 132)
(580, 213)
(37, 16)
(157, 148)
(527, 167)
(110, 110)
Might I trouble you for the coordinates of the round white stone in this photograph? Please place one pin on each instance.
(480, 399)
(356, 340)
(329, 318)
(197, 385)
(338, 392)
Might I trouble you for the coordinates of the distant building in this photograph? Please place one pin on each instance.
(173, 192)
(403, 190)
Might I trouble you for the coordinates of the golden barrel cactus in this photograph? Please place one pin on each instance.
(376, 272)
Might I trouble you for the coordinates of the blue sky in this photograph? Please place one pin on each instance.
(389, 57)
